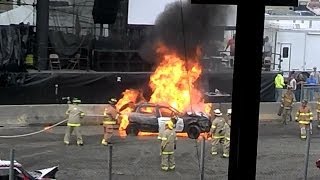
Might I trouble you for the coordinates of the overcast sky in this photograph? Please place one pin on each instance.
(145, 11)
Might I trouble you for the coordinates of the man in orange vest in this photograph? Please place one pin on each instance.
(109, 121)
(304, 117)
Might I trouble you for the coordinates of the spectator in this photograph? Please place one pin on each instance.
(279, 85)
(311, 81)
(231, 44)
(293, 83)
(316, 74)
(267, 47)
(300, 80)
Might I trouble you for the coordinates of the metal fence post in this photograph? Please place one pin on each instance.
(309, 132)
(11, 170)
(110, 162)
(203, 142)
(301, 93)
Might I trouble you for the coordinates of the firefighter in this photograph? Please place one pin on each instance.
(174, 120)
(286, 105)
(74, 117)
(168, 142)
(217, 131)
(226, 141)
(304, 117)
(109, 121)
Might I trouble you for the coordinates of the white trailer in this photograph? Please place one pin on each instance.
(299, 50)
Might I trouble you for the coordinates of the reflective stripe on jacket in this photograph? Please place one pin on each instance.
(74, 115)
(111, 114)
(217, 128)
(304, 115)
(287, 100)
(168, 141)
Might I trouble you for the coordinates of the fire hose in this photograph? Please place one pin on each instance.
(36, 132)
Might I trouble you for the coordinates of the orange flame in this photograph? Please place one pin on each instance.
(172, 83)
(125, 106)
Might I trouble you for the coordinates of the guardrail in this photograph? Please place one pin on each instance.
(309, 92)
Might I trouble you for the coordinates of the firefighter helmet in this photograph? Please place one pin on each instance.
(76, 101)
(113, 101)
(229, 111)
(217, 112)
(169, 124)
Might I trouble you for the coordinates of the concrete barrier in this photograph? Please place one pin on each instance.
(23, 115)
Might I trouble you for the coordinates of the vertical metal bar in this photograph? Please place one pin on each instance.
(202, 158)
(42, 30)
(73, 21)
(101, 30)
(306, 162)
(56, 93)
(11, 170)
(110, 162)
(243, 159)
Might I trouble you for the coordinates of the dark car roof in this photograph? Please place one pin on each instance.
(155, 105)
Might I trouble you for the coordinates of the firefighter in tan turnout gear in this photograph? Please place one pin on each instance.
(286, 105)
(217, 131)
(304, 117)
(109, 121)
(74, 122)
(226, 140)
(168, 144)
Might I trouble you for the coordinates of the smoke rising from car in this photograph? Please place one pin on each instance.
(199, 25)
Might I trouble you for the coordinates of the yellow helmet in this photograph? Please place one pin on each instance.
(169, 124)
(229, 111)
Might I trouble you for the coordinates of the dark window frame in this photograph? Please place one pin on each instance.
(245, 116)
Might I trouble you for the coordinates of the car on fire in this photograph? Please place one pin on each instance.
(21, 174)
(149, 117)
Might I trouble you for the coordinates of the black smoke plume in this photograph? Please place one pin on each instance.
(199, 25)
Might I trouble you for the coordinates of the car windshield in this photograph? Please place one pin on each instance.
(147, 110)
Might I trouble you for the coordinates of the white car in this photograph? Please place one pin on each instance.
(21, 174)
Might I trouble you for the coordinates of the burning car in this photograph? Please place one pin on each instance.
(149, 117)
(21, 174)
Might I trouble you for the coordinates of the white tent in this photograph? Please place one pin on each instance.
(18, 15)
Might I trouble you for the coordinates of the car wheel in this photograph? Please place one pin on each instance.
(193, 131)
(132, 130)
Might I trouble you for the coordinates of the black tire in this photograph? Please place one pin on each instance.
(132, 130)
(193, 131)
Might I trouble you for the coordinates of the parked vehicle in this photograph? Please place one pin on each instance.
(148, 117)
(294, 49)
(21, 174)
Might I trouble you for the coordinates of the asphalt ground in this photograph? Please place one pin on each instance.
(280, 155)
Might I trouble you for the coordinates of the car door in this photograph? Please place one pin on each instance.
(148, 118)
(165, 115)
